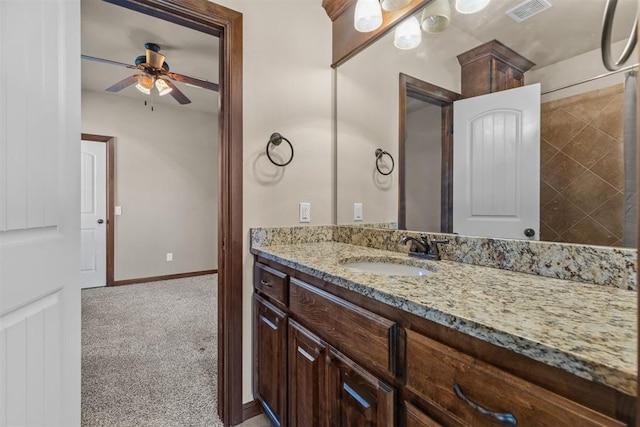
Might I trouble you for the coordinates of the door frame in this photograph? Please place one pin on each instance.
(219, 21)
(416, 88)
(110, 141)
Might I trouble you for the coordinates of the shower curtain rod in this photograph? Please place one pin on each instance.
(627, 68)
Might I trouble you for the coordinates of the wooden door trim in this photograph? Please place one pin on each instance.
(444, 98)
(110, 141)
(211, 18)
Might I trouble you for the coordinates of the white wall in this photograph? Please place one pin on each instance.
(423, 171)
(575, 69)
(367, 115)
(287, 83)
(165, 181)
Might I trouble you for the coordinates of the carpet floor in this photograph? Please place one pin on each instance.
(149, 354)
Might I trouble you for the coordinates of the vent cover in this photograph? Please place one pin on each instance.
(528, 9)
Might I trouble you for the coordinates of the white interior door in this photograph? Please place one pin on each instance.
(39, 218)
(93, 209)
(496, 164)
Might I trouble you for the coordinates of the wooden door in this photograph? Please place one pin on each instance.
(39, 216)
(93, 210)
(496, 164)
(307, 379)
(270, 355)
(355, 397)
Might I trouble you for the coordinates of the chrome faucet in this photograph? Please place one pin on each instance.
(422, 248)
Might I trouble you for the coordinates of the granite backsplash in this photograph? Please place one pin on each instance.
(607, 266)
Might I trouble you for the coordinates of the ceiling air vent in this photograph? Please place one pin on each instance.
(528, 9)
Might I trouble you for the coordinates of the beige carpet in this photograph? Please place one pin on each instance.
(149, 354)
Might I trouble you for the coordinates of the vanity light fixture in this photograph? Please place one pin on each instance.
(393, 5)
(408, 35)
(436, 17)
(368, 16)
(471, 6)
(145, 83)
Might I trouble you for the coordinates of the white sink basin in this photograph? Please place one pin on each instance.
(388, 268)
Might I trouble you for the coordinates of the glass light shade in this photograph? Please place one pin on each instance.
(436, 17)
(408, 35)
(163, 87)
(145, 83)
(393, 5)
(471, 6)
(368, 16)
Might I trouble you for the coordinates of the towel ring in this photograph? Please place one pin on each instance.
(276, 139)
(379, 154)
(605, 41)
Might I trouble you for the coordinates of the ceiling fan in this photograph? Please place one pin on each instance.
(155, 72)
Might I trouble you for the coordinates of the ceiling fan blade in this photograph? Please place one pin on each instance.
(177, 95)
(155, 59)
(123, 83)
(107, 61)
(193, 81)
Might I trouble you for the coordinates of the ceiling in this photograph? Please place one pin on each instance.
(119, 34)
(569, 28)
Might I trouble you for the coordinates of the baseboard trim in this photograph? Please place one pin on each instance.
(251, 409)
(158, 278)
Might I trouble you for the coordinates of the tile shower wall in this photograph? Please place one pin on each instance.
(582, 168)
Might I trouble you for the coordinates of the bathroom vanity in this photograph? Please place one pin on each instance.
(465, 346)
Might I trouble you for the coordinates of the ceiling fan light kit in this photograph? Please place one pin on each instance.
(163, 87)
(153, 67)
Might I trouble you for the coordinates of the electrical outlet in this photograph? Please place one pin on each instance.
(118, 210)
(305, 212)
(357, 211)
(169, 256)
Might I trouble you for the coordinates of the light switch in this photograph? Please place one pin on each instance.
(357, 211)
(118, 210)
(169, 256)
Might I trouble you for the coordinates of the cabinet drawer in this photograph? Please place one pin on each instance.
(417, 418)
(270, 282)
(433, 370)
(365, 336)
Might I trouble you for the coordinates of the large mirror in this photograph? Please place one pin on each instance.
(398, 103)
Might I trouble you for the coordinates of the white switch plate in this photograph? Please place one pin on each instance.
(305, 212)
(357, 211)
(118, 210)
(169, 256)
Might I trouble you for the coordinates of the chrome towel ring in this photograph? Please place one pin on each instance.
(607, 23)
(276, 139)
(379, 154)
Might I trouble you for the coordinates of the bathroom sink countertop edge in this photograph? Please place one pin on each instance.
(587, 330)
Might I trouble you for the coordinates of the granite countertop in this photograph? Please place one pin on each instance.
(588, 330)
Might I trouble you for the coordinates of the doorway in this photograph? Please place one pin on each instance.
(426, 146)
(226, 24)
(97, 262)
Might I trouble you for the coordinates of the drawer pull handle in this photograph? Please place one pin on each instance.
(265, 283)
(506, 418)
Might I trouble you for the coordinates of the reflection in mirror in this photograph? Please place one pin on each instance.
(582, 161)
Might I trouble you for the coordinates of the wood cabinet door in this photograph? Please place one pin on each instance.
(307, 379)
(270, 355)
(355, 397)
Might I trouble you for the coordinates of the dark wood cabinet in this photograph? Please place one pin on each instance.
(326, 356)
(270, 358)
(307, 378)
(491, 67)
(355, 397)
(417, 418)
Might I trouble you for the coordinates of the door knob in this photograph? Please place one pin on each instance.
(529, 232)
(101, 221)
